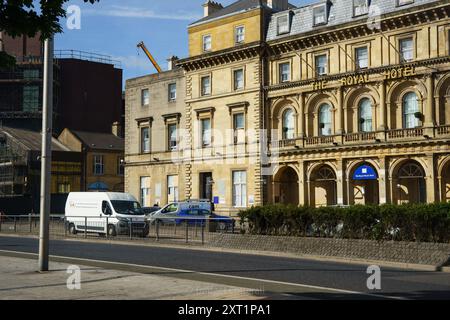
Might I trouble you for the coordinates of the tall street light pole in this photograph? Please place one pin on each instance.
(46, 156)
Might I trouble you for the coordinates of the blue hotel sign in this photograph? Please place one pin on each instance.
(365, 172)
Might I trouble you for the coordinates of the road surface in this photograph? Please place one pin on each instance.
(307, 279)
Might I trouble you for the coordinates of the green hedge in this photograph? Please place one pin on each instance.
(413, 222)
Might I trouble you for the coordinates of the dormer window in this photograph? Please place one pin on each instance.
(283, 24)
(207, 43)
(404, 2)
(239, 34)
(360, 7)
(320, 15)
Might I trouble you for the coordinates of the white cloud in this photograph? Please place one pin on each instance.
(134, 12)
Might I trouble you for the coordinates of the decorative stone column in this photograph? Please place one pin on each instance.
(430, 179)
(340, 182)
(340, 112)
(430, 121)
(301, 118)
(382, 181)
(381, 135)
(301, 183)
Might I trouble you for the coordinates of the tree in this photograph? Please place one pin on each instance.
(30, 18)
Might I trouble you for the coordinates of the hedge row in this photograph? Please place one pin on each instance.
(413, 222)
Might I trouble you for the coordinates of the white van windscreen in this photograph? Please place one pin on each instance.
(127, 207)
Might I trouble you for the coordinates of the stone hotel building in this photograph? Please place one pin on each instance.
(337, 102)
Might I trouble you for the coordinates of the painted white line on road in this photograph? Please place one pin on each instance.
(306, 286)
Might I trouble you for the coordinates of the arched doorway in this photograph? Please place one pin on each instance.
(363, 185)
(409, 184)
(286, 189)
(323, 187)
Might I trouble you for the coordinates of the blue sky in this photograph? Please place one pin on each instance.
(114, 27)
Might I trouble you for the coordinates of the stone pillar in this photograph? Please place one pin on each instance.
(382, 112)
(430, 179)
(430, 121)
(301, 118)
(340, 113)
(340, 182)
(383, 178)
(301, 184)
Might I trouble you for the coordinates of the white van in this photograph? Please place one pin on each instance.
(105, 213)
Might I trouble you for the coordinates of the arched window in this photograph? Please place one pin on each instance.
(288, 124)
(411, 114)
(325, 120)
(365, 115)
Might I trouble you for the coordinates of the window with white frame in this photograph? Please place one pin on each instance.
(145, 140)
(172, 189)
(283, 24)
(325, 123)
(172, 91)
(411, 116)
(406, 49)
(172, 136)
(206, 85)
(145, 97)
(239, 189)
(239, 127)
(365, 115)
(205, 125)
(207, 43)
(362, 58)
(145, 191)
(240, 34)
(284, 72)
(99, 166)
(320, 14)
(238, 79)
(360, 7)
(288, 124)
(321, 63)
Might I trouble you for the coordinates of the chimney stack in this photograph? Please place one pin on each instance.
(117, 129)
(278, 5)
(171, 62)
(210, 7)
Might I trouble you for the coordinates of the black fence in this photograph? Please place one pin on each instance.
(175, 230)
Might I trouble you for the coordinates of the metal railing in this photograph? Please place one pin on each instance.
(364, 137)
(174, 229)
(87, 56)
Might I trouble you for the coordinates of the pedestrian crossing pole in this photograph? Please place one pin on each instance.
(46, 154)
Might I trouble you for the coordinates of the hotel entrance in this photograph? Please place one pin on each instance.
(363, 185)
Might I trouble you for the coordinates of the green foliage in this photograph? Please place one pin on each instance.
(413, 222)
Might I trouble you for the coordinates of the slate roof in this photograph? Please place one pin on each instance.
(100, 141)
(340, 12)
(31, 140)
(235, 7)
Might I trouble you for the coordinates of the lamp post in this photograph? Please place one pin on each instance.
(46, 154)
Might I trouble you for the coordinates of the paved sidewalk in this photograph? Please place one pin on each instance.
(19, 280)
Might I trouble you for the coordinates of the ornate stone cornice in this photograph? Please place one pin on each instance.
(213, 59)
(371, 71)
